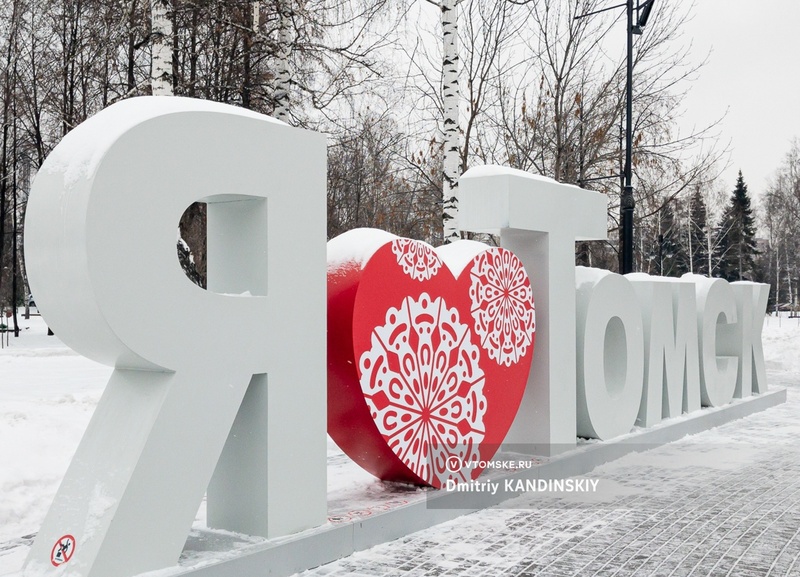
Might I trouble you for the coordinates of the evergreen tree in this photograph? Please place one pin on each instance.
(737, 236)
(697, 247)
(671, 256)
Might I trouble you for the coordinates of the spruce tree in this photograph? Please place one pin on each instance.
(698, 240)
(671, 257)
(737, 236)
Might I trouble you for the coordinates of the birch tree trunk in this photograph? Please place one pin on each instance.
(789, 278)
(283, 74)
(450, 97)
(777, 276)
(161, 63)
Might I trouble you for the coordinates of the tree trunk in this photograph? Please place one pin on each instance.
(15, 224)
(161, 43)
(283, 74)
(193, 54)
(741, 250)
(131, 64)
(247, 69)
(789, 278)
(450, 97)
(5, 174)
(777, 277)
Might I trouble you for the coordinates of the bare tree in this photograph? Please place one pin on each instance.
(780, 218)
(458, 83)
(450, 128)
(283, 73)
(562, 115)
(161, 46)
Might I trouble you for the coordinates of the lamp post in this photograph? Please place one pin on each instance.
(627, 202)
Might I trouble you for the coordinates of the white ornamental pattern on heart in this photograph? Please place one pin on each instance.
(424, 387)
(502, 305)
(416, 258)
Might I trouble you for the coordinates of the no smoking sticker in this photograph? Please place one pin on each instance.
(62, 550)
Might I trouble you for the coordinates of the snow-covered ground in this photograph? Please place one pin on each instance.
(48, 393)
(724, 502)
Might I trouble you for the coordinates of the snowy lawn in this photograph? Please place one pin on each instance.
(48, 393)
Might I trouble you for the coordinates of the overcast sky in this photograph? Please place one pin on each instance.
(754, 73)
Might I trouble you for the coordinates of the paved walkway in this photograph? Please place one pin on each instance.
(724, 502)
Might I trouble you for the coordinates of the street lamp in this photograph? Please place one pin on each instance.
(627, 202)
(643, 11)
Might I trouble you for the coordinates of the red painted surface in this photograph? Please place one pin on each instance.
(425, 369)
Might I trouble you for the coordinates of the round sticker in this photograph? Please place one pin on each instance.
(62, 550)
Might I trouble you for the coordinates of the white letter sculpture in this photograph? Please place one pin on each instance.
(716, 321)
(539, 220)
(671, 361)
(101, 256)
(610, 347)
(751, 306)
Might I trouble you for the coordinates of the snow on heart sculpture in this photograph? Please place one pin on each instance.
(428, 353)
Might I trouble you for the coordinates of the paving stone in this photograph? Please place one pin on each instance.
(724, 502)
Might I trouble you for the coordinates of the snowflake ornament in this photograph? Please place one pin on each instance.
(502, 306)
(423, 385)
(417, 259)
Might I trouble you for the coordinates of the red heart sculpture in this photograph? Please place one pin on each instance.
(427, 361)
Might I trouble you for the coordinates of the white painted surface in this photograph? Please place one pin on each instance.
(716, 318)
(101, 257)
(539, 220)
(610, 344)
(751, 302)
(671, 358)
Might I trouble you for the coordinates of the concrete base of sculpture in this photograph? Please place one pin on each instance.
(391, 516)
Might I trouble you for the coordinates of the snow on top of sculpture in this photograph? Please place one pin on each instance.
(79, 153)
(355, 247)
